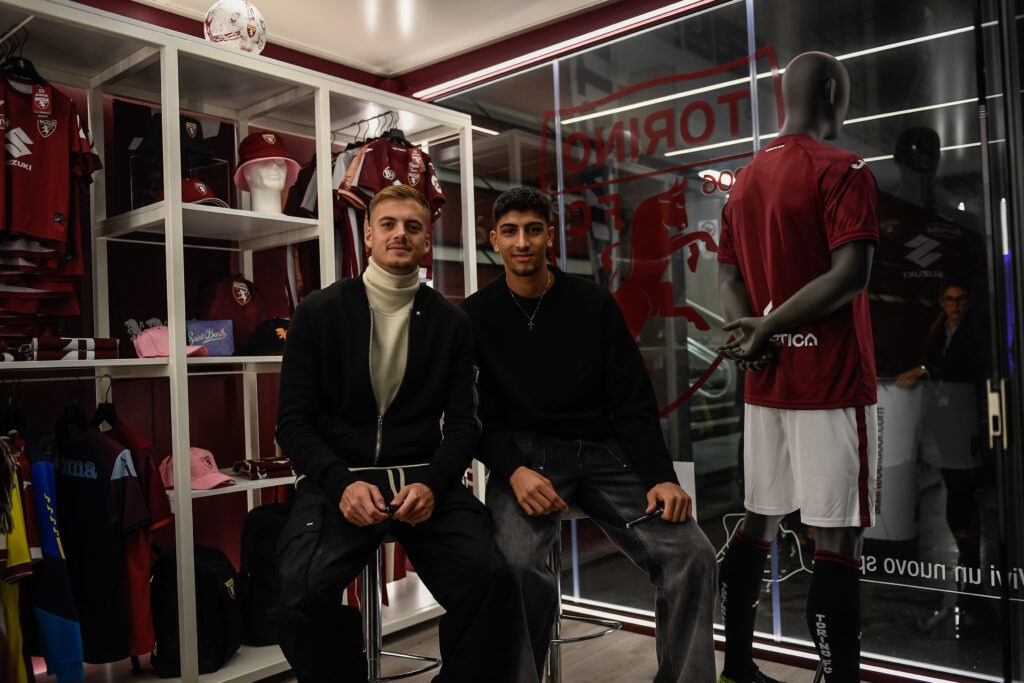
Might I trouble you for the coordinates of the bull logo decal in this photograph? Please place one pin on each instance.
(658, 231)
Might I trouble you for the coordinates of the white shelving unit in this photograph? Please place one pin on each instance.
(110, 56)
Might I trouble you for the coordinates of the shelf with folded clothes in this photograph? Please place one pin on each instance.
(252, 230)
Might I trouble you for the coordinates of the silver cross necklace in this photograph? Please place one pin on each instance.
(529, 316)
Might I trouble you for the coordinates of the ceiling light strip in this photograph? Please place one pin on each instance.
(905, 43)
(904, 112)
(767, 74)
(656, 100)
(601, 34)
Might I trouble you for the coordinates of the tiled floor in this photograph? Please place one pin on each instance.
(618, 658)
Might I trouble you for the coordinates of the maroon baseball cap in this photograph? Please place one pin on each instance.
(259, 146)
(195, 191)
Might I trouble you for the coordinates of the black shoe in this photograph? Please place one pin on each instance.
(758, 677)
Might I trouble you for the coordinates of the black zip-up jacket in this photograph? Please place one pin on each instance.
(327, 417)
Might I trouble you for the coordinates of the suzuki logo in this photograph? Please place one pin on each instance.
(923, 253)
(18, 142)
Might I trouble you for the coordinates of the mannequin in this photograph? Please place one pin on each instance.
(266, 180)
(774, 309)
(265, 169)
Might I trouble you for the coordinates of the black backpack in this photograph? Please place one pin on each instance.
(218, 612)
(259, 584)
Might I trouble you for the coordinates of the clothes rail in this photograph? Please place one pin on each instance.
(17, 28)
(390, 115)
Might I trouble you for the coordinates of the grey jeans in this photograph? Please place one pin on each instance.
(678, 558)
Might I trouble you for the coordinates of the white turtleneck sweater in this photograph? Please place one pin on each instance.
(391, 297)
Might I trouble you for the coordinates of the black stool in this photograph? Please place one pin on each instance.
(607, 626)
(371, 599)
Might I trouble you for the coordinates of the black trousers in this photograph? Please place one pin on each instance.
(453, 553)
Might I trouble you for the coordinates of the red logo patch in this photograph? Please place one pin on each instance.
(46, 126)
(241, 292)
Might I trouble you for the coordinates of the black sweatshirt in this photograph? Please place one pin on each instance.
(577, 375)
(327, 416)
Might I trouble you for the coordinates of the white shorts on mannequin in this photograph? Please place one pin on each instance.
(822, 462)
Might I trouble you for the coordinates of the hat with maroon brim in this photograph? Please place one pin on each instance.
(203, 469)
(195, 191)
(260, 146)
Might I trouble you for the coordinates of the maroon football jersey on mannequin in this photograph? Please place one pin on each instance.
(791, 206)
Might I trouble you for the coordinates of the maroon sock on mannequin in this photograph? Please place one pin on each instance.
(739, 587)
(833, 615)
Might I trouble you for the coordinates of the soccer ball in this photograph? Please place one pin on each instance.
(238, 23)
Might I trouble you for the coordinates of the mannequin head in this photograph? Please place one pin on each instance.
(816, 95)
(266, 180)
(265, 169)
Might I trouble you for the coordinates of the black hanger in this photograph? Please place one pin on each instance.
(73, 416)
(19, 67)
(396, 136)
(22, 69)
(12, 419)
(105, 411)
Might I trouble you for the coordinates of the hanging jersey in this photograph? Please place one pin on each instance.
(381, 163)
(53, 604)
(138, 556)
(100, 502)
(45, 145)
(791, 206)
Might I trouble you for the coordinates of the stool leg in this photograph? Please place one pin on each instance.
(370, 599)
(555, 649)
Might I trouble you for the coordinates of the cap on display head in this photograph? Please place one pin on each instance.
(236, 23)
(191, 136)
(203, 470)
(268, 338)
(260, 146)
(152, 342)
(195, 191)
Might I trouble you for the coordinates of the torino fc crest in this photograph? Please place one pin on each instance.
(46, 127)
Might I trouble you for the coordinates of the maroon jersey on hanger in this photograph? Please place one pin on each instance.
(45, 146)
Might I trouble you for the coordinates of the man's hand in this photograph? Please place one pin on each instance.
(362, 504)
(750, 339)
(678, 504)
(414, 504)
(535, 493)
(909, 378)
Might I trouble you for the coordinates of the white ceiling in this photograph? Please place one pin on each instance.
(392, 37)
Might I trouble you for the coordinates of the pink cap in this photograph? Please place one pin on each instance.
(153, 343)
(205, 474)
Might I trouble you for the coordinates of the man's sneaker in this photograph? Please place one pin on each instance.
(758, 677)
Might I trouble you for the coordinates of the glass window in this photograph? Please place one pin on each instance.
(639, 141)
